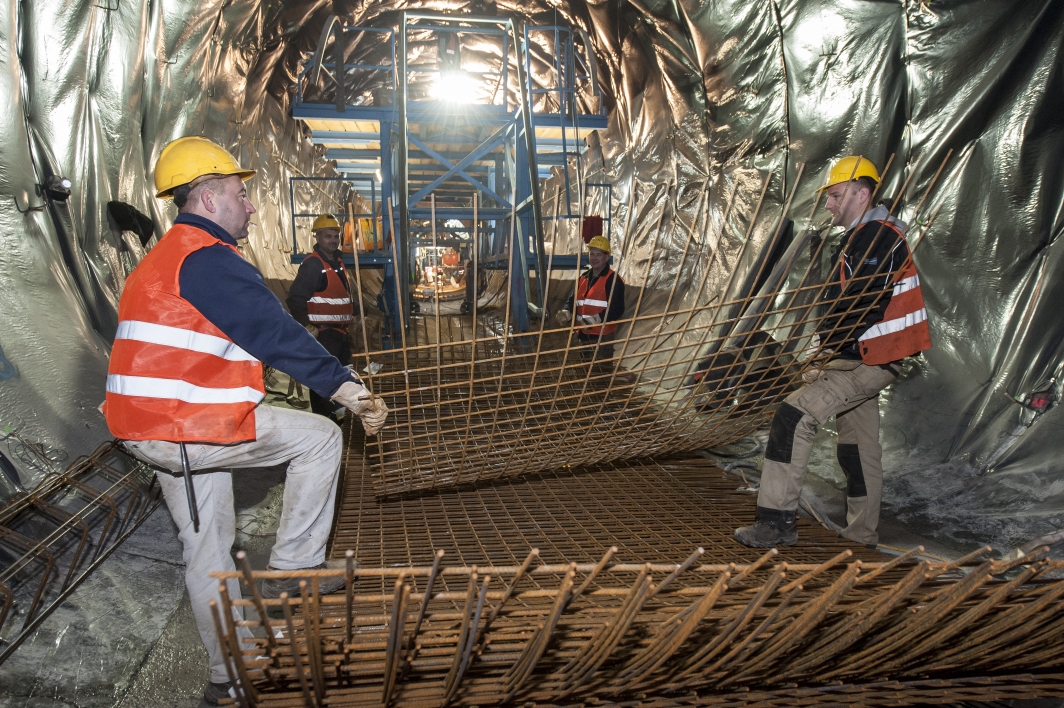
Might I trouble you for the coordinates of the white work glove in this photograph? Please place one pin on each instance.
(563, 318)
(589, 319)
(313, 330)
(811, 349)
(817, 356)
(373, 419)
(357, 399)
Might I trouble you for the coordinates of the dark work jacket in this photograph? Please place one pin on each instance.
(229, 292)
(309, 280)
(870, 253)
(615, 296)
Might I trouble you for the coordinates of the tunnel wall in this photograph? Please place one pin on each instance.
(94, 95)
(708, 100)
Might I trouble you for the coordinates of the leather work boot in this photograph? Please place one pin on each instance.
(771, 528)
(271, 588)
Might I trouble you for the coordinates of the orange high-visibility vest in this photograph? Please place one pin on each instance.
(903, 331)
(330, 307)
(594, 301)
(173, 375)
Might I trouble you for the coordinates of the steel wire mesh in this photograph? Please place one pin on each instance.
(473, 399)
(53, 536)
(583, 586)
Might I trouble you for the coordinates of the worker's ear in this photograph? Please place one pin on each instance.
(864, 195)
(209, 200)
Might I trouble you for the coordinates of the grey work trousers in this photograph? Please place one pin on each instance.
(848, 390)
(310, 444)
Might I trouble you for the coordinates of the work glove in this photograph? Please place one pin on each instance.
(563, 318)
(817, 356)
(357, 399)
(373, 420)
(589, 320)
(313, 330)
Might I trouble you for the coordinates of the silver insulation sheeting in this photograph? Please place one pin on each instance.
(94, 91)
(708, 101)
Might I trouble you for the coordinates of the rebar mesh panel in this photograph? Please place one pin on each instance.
(645, 622)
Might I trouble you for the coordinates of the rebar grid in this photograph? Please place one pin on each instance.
(473, 400)
(584, 586)
(54, 536)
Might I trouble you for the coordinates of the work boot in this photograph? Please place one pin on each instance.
(772, 527)
(271, 588)
(213, 693)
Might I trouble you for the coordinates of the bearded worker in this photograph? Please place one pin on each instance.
(320, 300)
(876, 318)
(196, 324)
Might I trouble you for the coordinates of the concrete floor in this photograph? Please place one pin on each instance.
(126, 637)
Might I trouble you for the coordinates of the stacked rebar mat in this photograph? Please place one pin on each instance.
(700, 364)
(701, 634)
(52, 537)
(615, 605)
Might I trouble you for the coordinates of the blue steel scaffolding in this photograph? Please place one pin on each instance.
(449, 141)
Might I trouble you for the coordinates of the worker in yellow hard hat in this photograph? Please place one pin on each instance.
(320, 300)
(196, 324)
(597, 304)
(875, 318)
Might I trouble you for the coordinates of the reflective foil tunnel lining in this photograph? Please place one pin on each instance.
(704, 99)
(708, 135)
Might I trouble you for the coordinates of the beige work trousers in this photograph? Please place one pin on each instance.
(848, 390)
(310, 444)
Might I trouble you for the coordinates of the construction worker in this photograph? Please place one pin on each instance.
(196, 324)
(599, 300)
(875, 319)
(320, 300)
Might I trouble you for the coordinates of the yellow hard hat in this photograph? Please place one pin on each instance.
(325, 221)
(600, 242)
(850, 168)
(189, 158)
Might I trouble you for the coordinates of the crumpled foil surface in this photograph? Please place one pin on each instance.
(711, 103)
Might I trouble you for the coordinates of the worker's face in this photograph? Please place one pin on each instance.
(847, 202)
(328, 240)
(598, 259)
(227, 200)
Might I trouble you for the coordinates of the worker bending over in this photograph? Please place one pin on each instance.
(599, 301)
(876, 318)
(320, 300)
(195, 325)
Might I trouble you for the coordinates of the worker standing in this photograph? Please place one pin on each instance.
(320, 300)
(184, 383)
(876, 318)
(599, 302)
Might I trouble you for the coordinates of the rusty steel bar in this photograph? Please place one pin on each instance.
(689, 640)
(97, 503)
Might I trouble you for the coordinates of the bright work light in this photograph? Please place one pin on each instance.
(455, 87)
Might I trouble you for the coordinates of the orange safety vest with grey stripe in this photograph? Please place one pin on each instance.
(903, 331)
(173, 375)
(594, 300)
(330, 307)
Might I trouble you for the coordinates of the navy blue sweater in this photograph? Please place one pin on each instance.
(229, 292)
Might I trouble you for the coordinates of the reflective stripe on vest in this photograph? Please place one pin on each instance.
(172, 374)
(903, 331)
(333, 304)
(181, 339)
(148, 387)
(594, 301)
